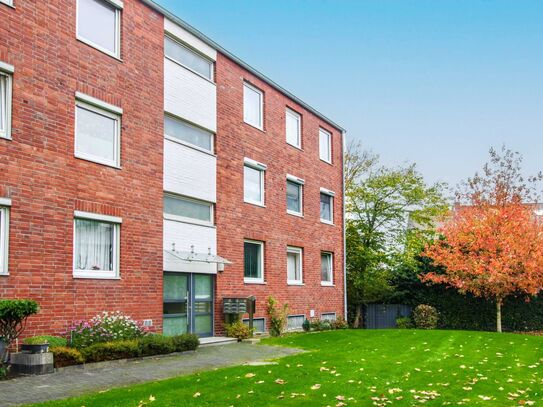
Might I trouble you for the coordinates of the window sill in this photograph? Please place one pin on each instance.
(324, 284)
(4, 274)
(92, 160)
(255, 127)
(293, 283)
(9, 5)
(255, 204)
(98, 48)
(327, 162)
(295, 146)
(298, 215)
(245, 281)
(95, 277)
(6, 138)
(326, 222)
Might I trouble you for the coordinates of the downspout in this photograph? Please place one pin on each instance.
(343, 146)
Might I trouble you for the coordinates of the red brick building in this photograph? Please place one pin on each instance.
(144, 168)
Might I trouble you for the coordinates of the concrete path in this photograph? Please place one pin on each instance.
(75, 381)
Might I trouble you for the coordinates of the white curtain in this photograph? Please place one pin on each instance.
(93, 245)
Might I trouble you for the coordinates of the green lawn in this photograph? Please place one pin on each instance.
(364, 368)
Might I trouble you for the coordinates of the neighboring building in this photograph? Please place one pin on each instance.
(144, 168)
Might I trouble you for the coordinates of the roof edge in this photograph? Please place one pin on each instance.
(211, 43)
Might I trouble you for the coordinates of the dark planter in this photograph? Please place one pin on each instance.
(34, 349)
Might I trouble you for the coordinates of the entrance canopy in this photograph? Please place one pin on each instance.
(192, 262)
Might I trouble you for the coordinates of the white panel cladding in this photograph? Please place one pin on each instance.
(190, 39)
(186, 234)
(189, 96)
(189, 172)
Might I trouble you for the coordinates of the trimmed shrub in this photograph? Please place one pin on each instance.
(64, 356)
(105, 327)
(53, 341)
(238, 330)
(339, 323)
(306, 326)
(404, 323)
(156, 344)
(111, 351)
(13, 315)
(425, 316)
(185, 342)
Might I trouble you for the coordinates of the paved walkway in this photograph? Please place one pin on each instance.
(75, 381)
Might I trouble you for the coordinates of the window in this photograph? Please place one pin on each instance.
(328, 316)
(4, 231)
(99, 24)
(327, 276)
(96, 245)
(97, 131)
(5, 99)
(295, 322)
(294, 128)
(259, 324)
(253, 262)
(294, 266)
(253, 182)
(179, 130)
(253, 101)
(294, 195)
(8, 2)
(325, 146)
(327, 206)
(190, 59)
(187, 209)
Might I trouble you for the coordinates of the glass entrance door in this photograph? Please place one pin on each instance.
(188, 304)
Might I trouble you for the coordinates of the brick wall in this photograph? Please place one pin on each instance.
(237, 220)
(46, 183)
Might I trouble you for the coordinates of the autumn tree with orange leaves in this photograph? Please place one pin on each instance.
(491, 245)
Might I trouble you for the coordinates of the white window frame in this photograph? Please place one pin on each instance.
(293, 316)
(329, 137)
(118, 4)
(7, 2)
(260, 124)
(93, 274)
(7, 70)
(247, 162)
(185, 219)
(331, 194)
(195, 52)
(331, 257)
(251, 280)
(300, 182)
(187, 143)
(300, 252)
(298, 117)
(5, 204)
(105, 109)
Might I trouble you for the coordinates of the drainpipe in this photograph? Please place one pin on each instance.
(343, 147)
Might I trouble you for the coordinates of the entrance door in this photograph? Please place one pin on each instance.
(188, 304)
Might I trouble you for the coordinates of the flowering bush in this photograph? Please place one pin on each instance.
(105, 327)
(425, 316)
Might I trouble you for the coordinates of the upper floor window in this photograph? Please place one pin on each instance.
(294, 266)
(253, 261)
(180, 130)
(187, 209)
(4, 232)
(6, 71)
(190, 59)
(294, 195)
(253, 103)
(327, 206)
(253, 182)
(325, 146)
(294, 128)
(327, 277)
(96, 245)
(97, 131)
(99, 24)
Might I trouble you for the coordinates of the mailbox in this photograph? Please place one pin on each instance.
(234, 305)
(251, 305)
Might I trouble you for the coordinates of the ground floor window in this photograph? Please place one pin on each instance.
(253, 261)
(328, 316)
(295, 322)
(259, 324)
(4, 231)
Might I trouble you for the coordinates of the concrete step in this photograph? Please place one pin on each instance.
(216, 340)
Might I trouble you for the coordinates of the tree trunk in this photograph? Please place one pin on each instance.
(499, 315)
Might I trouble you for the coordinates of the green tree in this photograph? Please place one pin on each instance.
(391, 213)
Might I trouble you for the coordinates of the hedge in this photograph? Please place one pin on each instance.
(64, 356)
